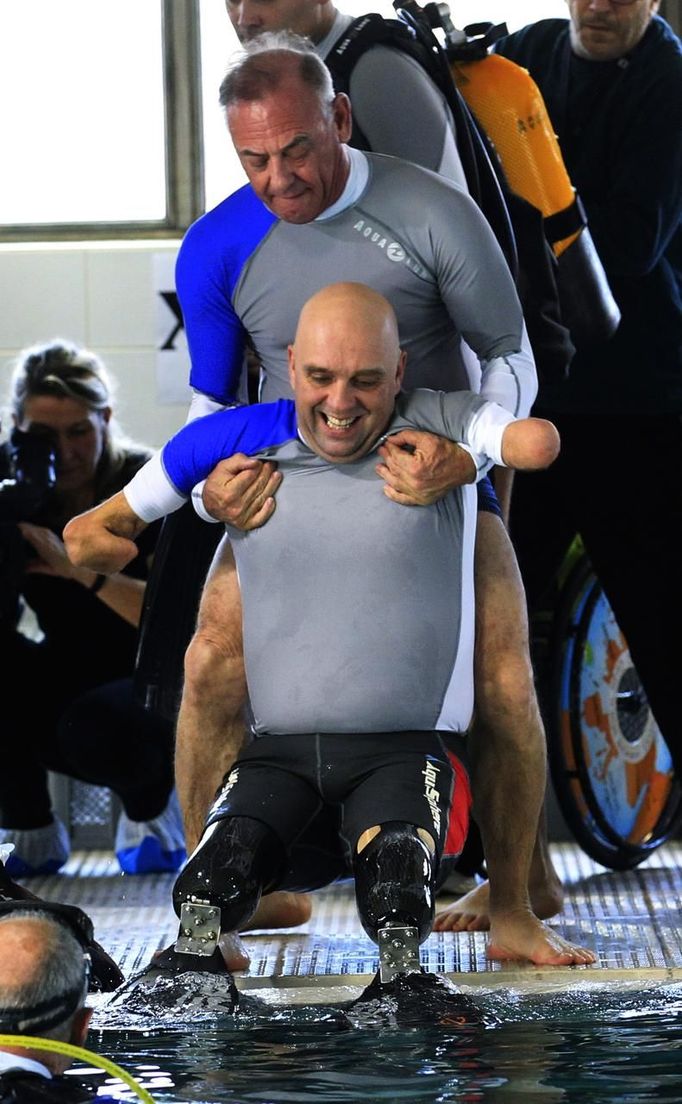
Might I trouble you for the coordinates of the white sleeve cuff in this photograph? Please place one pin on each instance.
(198, 504)
(150, 493)
(486, 430)
(201, 405)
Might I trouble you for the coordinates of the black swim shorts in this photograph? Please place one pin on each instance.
(319, 793)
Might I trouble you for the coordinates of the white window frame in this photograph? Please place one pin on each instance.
(184, 147)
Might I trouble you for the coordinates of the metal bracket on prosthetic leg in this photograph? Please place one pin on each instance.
(199, 928)
(398, 951)
(221, 885)
(394, 888)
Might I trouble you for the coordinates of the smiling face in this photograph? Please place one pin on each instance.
(602, 30)
(346, 369)
(77, 432)
(251, 18)
(290, 148)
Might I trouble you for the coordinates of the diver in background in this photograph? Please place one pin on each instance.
(44, 973)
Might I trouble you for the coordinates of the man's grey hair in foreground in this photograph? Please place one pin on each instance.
(59, 969)
(261, 67)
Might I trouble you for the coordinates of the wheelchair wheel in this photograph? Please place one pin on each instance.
(611, 768)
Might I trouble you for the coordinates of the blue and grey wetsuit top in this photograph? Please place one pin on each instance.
(401, 229)
(358, 612)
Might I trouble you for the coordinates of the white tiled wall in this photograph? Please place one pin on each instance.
(102, 296)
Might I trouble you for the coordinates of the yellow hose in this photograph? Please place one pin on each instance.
(30, 1042)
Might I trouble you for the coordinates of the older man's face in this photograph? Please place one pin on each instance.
(252, 17)
(602, 30)
(291, 149)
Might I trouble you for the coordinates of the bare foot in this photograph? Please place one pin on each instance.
(234, 952)
(276, 910)
(472, 911)
(281, 910)
(520, 935)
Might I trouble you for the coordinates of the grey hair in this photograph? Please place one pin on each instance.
(260, 67)
(60, 968)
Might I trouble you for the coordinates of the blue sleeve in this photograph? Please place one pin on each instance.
(212, 257)
(195, 450)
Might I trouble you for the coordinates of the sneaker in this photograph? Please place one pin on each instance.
(152, 846)
(36, 850)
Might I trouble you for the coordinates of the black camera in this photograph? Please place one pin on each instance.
(31, 480)
(32, 463)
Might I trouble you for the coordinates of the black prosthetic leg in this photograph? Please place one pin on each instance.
(218, 891)
(395, 893)
(221, 885)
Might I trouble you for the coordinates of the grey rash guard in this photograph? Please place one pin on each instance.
(398, 107)
(409, 234)
(357, 612)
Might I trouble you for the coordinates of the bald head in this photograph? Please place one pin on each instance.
(345, 368)
(353, 313)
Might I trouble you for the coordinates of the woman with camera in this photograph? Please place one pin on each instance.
(67, 700)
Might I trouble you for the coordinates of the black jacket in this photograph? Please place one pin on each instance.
(619, 125)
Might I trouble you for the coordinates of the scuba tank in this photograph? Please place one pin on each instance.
(509, 108)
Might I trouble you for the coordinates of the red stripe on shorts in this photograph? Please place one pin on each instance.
(460, 808)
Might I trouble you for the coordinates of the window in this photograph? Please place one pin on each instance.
(99, 107)
(111, 126)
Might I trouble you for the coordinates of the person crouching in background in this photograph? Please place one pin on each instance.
(67, 698)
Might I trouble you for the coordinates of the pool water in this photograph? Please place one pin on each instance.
(586, 1044)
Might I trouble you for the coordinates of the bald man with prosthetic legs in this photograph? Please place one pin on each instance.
(401, 648)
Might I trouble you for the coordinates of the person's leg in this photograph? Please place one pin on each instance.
(237, 859)
(31, 705)
(210, 728)
(105, 738)
(395, 866)
(35, 689)
(241, 855)
(508, 772)
(402, 794)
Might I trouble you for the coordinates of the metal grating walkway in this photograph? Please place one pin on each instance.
(631, 919)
